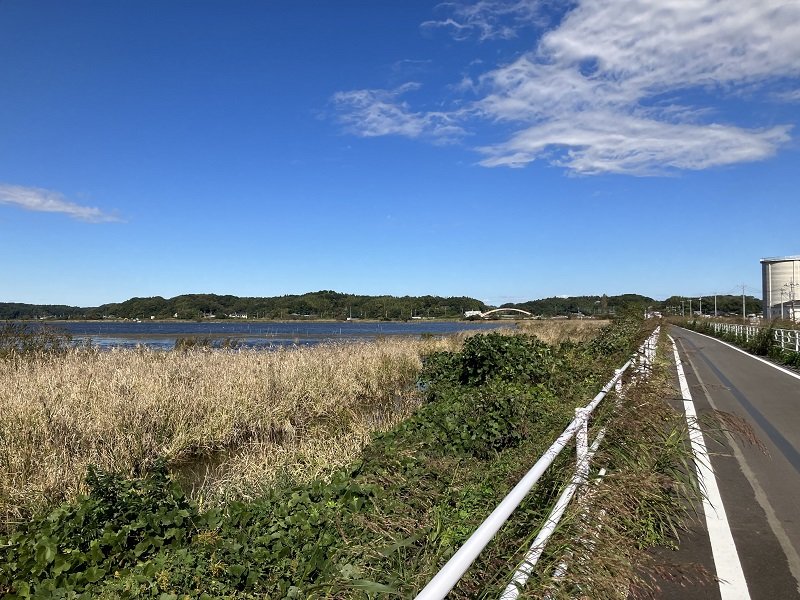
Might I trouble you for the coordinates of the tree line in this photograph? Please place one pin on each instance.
(324, 304)
(583, 305)
(327, 304)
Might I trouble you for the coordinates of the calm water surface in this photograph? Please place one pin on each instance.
(163, 335)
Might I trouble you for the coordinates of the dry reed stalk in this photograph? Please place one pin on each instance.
(556, 331)
(295, 413)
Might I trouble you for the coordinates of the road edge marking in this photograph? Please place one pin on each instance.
(792, 556)
(732, 583)
(745, 352)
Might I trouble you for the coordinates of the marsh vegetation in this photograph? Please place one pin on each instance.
(333, 471)
(234, 421)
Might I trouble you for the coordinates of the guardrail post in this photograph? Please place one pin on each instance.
(582, 444)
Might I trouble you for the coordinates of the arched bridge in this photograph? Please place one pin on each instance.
(483, 315)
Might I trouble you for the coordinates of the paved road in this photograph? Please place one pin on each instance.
(759, 487)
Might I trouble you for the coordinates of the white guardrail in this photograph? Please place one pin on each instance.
(788, 339)
(454, 569)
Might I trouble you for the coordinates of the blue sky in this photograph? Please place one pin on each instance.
(501, 150)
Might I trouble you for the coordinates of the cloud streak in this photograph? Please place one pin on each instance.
(615, 87)
(40, 200)
(489, 19)
(612, 143)
(372, 113)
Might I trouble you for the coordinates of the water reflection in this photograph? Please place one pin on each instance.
(261, 335)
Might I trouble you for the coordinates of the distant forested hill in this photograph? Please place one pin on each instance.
(16, 310)
(328, 304)
(587, 305)
(316, 305)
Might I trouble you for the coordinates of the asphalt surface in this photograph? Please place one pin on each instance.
(757, 469)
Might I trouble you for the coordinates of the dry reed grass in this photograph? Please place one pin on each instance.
(230, 423)
(556, 331)
(236, 421)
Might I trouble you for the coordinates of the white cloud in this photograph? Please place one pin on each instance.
(371, 113)
(597, 142)
(40, 200)
(587, 96)
(652, 45)
(620, 86)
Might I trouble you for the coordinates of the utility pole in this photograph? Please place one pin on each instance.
(793, 316)
(690, 307)
(701, 306)
(715, 305)
(744, 312)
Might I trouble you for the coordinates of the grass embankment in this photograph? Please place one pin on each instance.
(612, 537)
(381, 525)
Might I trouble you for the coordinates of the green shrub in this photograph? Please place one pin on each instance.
(76, 545)
(493, 356)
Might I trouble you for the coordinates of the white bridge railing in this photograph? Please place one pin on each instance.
(458, 564)
(787, 339)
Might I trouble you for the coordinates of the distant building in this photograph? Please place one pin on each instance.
(780, 283)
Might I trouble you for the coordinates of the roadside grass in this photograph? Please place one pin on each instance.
(645, 500)
(603, 547)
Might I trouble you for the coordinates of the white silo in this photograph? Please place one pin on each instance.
(780, 282)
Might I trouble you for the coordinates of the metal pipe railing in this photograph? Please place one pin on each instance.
(454, 569)
(581, 476)
(643, 362)
(788, 339)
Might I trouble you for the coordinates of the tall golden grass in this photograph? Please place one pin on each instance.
(556, 331)
(230, 423)
(234, 421)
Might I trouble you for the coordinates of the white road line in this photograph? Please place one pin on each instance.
(746, 353)
(792, 557)
(732, 584)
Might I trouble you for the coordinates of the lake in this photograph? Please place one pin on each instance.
(261, 334)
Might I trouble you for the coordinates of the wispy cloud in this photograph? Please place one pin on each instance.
(371, 113)
(616, 86)
(790, 96)
(488, 19)
(605, 142)
(40, 200)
